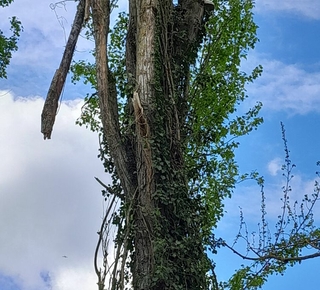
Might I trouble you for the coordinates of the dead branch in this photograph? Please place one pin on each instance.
(51, 104)
(102, 276)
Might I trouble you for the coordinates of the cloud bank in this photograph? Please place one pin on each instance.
(51, 205)
(283, 87)
(307, 8)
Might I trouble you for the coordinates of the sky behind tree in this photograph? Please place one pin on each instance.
(50, 204)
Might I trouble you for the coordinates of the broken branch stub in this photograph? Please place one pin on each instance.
(50, 107)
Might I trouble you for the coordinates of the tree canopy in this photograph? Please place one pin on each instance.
(169, 85)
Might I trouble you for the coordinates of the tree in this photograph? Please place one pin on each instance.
(168, 86)
(8, 44)
(294, 239)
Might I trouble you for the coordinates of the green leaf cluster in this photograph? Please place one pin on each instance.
(4, 3)
(217, 90)
(8, 44)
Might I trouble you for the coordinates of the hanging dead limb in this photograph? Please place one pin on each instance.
(51, 104)
(102, 274)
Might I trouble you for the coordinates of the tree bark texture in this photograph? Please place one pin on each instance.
(143, 99)
(107, 93)
(160, 40)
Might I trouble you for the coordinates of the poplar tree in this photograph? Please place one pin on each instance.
(168, 85)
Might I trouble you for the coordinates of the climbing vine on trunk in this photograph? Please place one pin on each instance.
(168, 92)
(166, 110)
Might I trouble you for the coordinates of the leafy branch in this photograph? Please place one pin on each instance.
(294, 237)
(8, 44)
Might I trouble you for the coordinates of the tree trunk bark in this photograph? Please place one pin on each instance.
(108, 95)
(143, 99)
(159, 41)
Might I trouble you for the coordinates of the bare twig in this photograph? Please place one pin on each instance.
(101, 278)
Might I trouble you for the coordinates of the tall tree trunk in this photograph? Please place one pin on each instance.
(160, 39)
(143, 104)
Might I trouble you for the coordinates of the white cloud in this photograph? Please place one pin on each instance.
(248, 198)
(41, 45)
(283, 87)
(45, 32)
(50, 205)
(274, 166)
(74, 278)
(308, 8)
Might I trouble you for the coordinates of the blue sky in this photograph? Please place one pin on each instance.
(50, 205)
(289, 88)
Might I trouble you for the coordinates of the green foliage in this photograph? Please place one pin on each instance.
(5, 3)
(191, 195)
(294, 239)
(8, 44)
(217, 89)
(87, 71)
(116, 55)
(90, 114)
